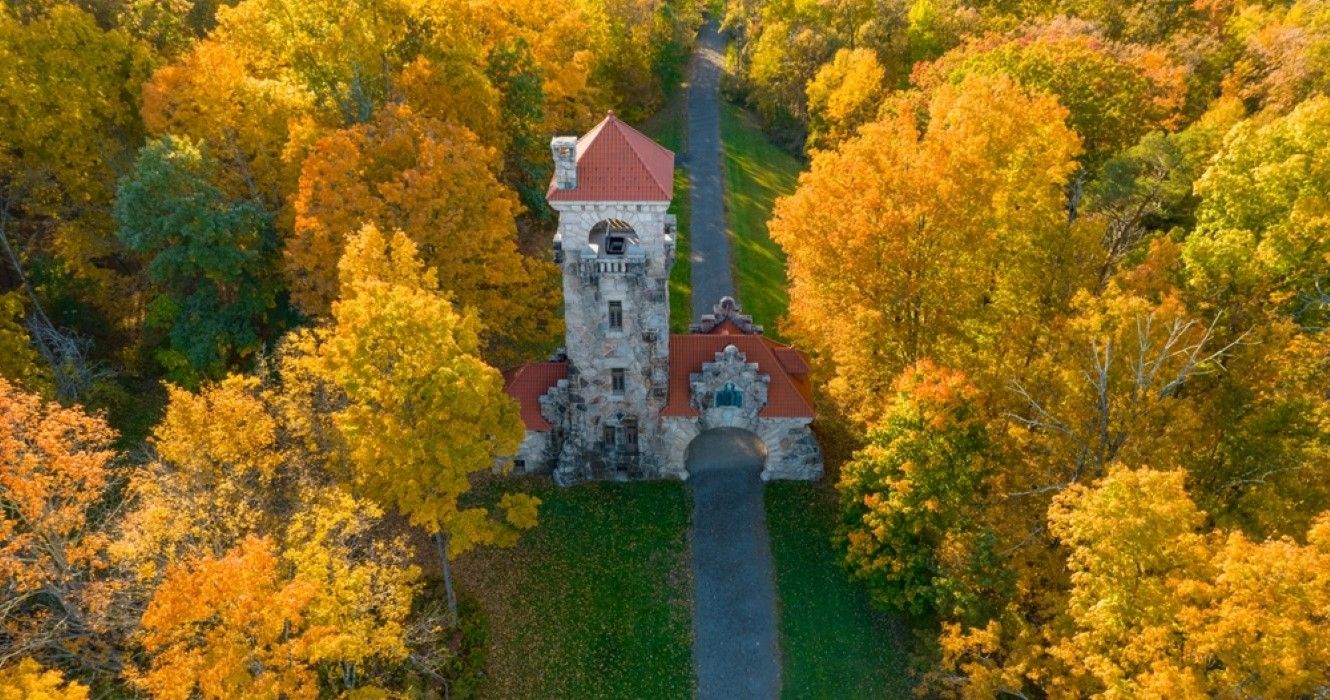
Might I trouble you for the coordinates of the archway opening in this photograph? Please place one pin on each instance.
(725, 450)
(612, 238)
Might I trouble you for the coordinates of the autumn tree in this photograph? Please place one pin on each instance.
(232, 465)
(1113, 93)
(422, 411)
(1259, 255)
(434, 182)
(844, 95)
(68, 128)
(936, 26)
(19, 361)
(211, 259)
(912, 242)
(218, 476)
(256, 125)
(1147, 190)
(1157, 608)
(1114, 390)
(1261, 234)
(1131, 537)
(782, 45)
(347, 57)
(1283, 57)
(57, 466)
(230, 626)
(910, 500)
(27, 680)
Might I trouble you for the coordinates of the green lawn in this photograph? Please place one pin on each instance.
(833, 643)
(667, 128)
(595, 602)
(756, 173)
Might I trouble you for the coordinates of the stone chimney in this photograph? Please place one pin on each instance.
(564, 149)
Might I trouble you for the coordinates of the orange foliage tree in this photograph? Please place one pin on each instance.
(434, 182)
(231, 626)
(56, 467)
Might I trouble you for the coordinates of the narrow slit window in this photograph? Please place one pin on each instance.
(616, 315)
(630, 436)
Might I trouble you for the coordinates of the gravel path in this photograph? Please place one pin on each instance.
(735, 646)
(710, 246)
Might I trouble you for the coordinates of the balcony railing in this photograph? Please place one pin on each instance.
(629, 264)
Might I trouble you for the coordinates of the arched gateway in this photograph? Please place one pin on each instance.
(726, 449)
(625, 398)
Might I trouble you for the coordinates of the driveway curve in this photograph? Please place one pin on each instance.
(735, 648)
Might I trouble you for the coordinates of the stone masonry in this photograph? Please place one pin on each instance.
(612, 405)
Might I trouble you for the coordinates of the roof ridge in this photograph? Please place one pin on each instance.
(636, 140)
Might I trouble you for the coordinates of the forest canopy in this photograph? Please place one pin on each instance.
(1065, 268)
(260, 264)
(1062, 268)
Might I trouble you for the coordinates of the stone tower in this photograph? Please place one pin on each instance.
(615, 245)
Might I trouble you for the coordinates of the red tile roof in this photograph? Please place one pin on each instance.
(527, 383)
(618, 163)
(788, 396)
(792, 360)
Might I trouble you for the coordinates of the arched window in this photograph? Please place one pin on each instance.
(612, 237)
(729, 396)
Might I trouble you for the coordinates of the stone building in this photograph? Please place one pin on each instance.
(625, 398)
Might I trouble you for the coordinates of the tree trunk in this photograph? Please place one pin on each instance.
(441, 542)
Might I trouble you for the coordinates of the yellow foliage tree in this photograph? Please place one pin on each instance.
(215, 482)
(19, 361)
(907, 243)
(68, 126)
(27, 680)
(1132, 537)
(422, 411)
(1157, 609)
(844, 95)
(365, 585)
(234, 464)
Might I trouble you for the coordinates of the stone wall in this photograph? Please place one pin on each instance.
(792, 449)
(677, 433)
(730, 368)
(536, 454)
(638, 280)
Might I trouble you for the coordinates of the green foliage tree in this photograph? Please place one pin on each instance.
(212, 260)
(1263, 223)
(910, 501)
